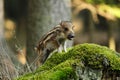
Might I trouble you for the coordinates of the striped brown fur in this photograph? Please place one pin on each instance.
(54, 39)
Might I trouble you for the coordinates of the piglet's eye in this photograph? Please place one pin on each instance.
(66, 29)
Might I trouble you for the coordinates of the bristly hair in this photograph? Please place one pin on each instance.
(62, 22)
(44, 37)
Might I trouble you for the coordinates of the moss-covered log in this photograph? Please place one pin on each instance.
(82, 62)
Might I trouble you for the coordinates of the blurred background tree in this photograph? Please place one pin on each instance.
(98, 21)
(27, 21)
(43, 15)
(7, 68)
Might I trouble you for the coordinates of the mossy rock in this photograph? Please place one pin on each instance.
(62, 66)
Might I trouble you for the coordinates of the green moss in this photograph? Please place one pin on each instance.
(62, 71)
(61, 66)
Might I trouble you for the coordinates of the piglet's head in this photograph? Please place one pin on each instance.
(67, 29)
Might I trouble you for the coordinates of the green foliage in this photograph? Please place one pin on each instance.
(109, 2)
(95, 1)
(113, 10)
(61, 66)
(110, 6)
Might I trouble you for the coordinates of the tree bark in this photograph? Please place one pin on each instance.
(7, 68)
(42, 16)
(111, 36)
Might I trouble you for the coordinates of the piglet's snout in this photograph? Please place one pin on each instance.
(71, 36)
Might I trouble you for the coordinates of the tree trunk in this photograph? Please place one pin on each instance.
(42, 16)
(111, 37)
(7, 68)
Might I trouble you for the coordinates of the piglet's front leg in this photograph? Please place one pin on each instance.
(65, 46)
(62, 47)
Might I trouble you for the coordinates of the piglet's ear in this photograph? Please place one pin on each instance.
(62, 23)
